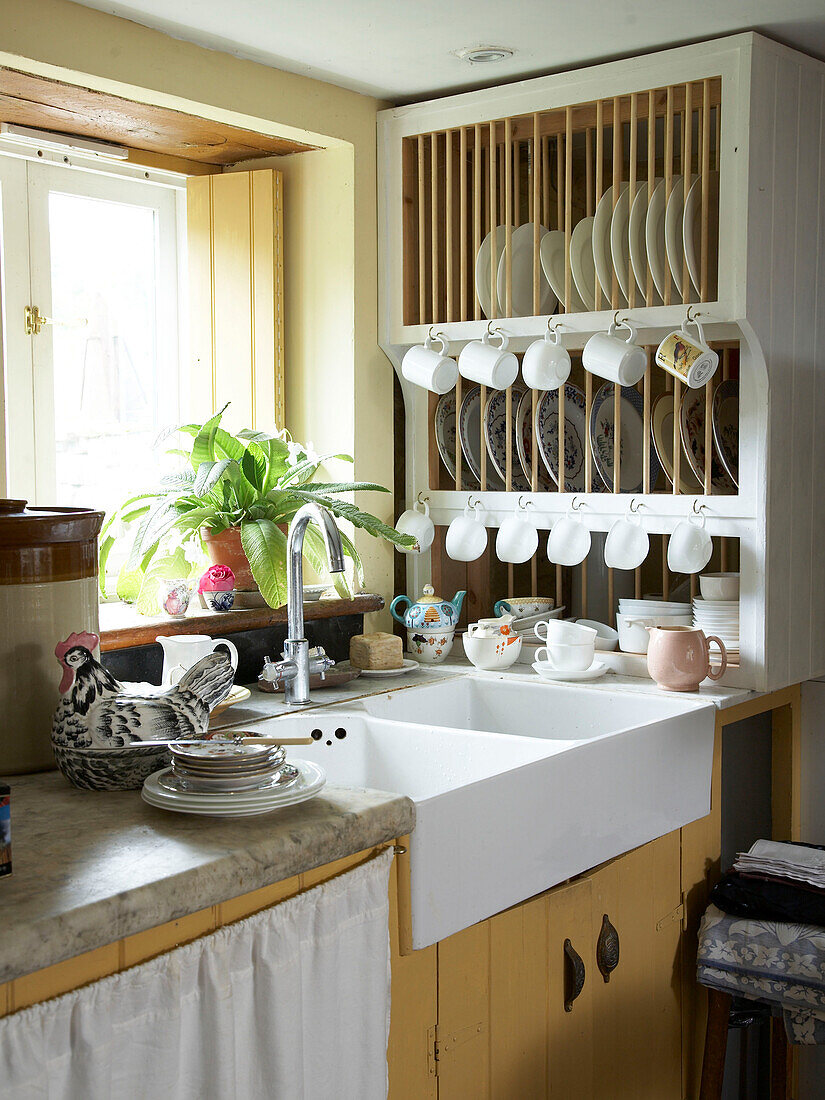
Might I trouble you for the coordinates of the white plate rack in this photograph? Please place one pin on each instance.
(740, 117)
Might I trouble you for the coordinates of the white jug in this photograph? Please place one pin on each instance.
(181, 651)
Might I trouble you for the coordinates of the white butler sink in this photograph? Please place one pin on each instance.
(518, 785)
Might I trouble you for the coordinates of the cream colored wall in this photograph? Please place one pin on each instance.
(338, 378)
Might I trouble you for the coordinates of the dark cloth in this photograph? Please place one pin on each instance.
(762, 898)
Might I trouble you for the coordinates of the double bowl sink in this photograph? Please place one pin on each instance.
(517, 785)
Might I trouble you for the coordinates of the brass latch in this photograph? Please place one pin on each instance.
(441, 1044)
(678, 914)
(34, 321)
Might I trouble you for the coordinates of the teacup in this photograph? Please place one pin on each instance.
(569, 542)
(690, 547)
(563, 631)
(617, 360)
(481, 361)
(546, 364)
(517, 539)
(431, 369)
(466, 538)
(690, 360)
(413, 522)
(564, 657)
(627, 545)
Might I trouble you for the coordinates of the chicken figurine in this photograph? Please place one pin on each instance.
(95, 711)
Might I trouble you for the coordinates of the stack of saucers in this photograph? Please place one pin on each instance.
(227, 780)
(717, 611)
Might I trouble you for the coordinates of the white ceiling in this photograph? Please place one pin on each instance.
(403, 50)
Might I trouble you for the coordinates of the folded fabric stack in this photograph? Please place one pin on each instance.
(763, 936)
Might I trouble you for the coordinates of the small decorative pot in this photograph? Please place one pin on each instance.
(678, 657)
(430, 647)
(176, 596)
(217, 588)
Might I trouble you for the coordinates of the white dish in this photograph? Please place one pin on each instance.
(524, 444)
(469, 434)
(638, 245)
(582, 264)
(377, 673)
(495, 434)
(607, 639)
(545, 672)
(575, 440)
(692, 233)
(602, 256)
(692, 430)
(482, 271)
(725, 417)
(445, 438)
(521, 250)
(237, 804)
(552, 264)
(662, 426)
(601, 430)
(674, 245)
(619, 239)
(655, 236)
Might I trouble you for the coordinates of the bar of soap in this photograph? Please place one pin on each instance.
(378, 650)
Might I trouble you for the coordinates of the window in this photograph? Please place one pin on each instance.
(98, 255)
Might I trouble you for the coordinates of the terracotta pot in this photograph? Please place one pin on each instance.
(678, 657)
(226, 549)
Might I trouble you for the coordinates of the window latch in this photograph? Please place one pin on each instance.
(34, 321)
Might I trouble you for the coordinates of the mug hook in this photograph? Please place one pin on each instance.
(524, 504)
(574, 507)
(699, 507)
(635, 505)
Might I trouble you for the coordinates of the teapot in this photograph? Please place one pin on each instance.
(430, 623)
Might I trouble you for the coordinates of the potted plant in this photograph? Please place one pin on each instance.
(233, 501)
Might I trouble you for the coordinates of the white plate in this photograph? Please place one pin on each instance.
(601, 431)
(482, 273)
(655, 235)
(378, 673)
(638, 245)
(243, 804)
(581, 262)
(575, 438)
(524, 444)
(602, 256)
(445, 438)
(725, 416)
(692, 233)
(692, 429)
(619, 242)
(661, 420)
(495, 433)
(674, 245)
(469, 434)
(521, 246)
(543, 670)
(552, 264)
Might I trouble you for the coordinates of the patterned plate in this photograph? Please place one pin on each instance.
(725, 415)
(524, 444)
(692, 428)
(495, 430)
(469, 434)
(575, 438)
(632, 441)
(445, 440)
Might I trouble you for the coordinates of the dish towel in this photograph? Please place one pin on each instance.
(290, 1004)
(780, 963)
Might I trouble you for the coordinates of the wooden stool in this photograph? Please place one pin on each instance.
(716, 1042)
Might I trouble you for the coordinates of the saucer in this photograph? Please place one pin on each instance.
(543, 670)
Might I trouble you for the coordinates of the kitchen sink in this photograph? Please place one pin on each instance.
(518, 785)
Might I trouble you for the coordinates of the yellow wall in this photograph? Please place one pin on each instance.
(339, 383)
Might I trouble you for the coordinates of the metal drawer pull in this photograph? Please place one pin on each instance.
(607, 949)
(574, 975)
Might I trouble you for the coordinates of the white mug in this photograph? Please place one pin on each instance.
(627, 544)
(481, 361)
(466, 537)
(690, 547)
(418, 524)
(546, 364)
(688, 359)
(564, 657)
(182, 651)
(569, 541)
(431, 369)
(617, 360)
(561, 631)
(517, 539)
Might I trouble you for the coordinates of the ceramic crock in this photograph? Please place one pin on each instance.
(48, 589)
(678, 657)
(430, 623)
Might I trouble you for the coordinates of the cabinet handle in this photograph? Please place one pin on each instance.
(607, 949)
(574, 975)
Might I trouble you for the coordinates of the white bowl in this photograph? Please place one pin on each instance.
(492, 654)
(607, 639)
(719, 586)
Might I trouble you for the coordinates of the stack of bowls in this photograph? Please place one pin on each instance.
(635, 616)
(717, 611)
(227, 767)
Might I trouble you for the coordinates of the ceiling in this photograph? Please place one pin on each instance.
(402, 51)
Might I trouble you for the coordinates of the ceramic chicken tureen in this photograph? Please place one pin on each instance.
(430, 623)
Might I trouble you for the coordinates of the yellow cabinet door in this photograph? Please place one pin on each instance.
(637, 1010)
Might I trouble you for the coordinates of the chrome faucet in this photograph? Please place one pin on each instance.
(298, 661)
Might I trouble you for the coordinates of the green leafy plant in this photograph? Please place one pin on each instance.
(253, 481)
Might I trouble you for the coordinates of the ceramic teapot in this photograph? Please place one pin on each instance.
(430, 613)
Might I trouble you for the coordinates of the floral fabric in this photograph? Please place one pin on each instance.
(780, 963)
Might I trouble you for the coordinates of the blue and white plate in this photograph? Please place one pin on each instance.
(445, 439)
(469, 434)
(632, 440)
(495, 431)
(575, 437)
(524, 444)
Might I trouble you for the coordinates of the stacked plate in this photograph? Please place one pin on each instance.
(659, 609)
(232, 780)
(718, 617)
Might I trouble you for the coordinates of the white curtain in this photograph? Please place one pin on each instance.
(292, 1003)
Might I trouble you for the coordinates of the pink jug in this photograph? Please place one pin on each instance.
(678, 657)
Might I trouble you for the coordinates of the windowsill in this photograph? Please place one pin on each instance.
(122, 627)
